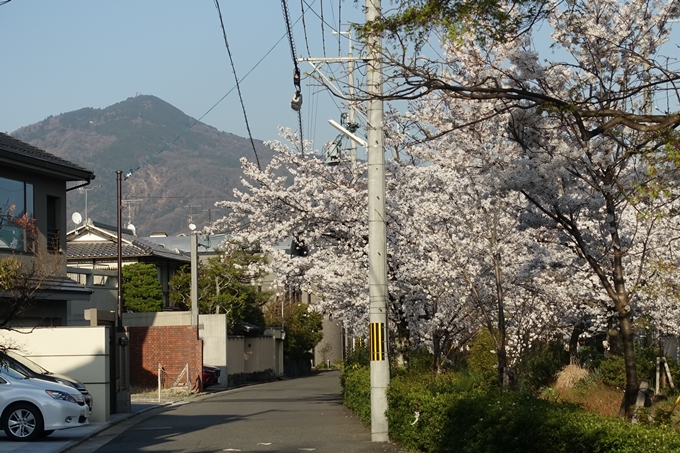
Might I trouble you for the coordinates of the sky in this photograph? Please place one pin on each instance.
(60, 56)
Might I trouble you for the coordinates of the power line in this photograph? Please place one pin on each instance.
(323, 32)
(296, 103)
(238, 86)
(131, 171)
(339, 25)
(304, 27)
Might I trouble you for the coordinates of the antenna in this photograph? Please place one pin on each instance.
(128, 203)
(191, 207)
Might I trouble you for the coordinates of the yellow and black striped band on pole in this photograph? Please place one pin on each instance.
(377, 341)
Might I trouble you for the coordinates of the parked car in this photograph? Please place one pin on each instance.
(211, 375)
(31, 369)
(31, 408)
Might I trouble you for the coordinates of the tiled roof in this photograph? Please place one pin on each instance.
(132, 247)
(16, 150)
(101, 250)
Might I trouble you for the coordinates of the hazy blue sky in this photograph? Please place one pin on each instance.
(63, 55)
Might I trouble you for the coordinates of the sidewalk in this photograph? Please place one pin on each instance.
(62, 440)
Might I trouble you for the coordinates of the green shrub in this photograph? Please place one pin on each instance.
(420, 361)
(539, 365)
(482, 358)
(612, 371)
(492, 421)
(356, 391)
(357, 356)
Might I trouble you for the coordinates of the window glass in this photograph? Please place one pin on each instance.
(12, 372)
(12, 197)
(29, 199)
(16, 199)
(80, 278)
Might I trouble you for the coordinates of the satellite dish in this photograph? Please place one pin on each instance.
(192, 227)
(77, 218)
(132, 228)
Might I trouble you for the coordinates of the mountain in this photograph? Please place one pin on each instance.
(169, 186)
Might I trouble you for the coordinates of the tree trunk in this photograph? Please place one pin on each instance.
(503, 379)
(628, 340)
(573, 344)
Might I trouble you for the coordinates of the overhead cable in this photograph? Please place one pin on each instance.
(323, 32)
(238, 86)
(296, 103)
(304, 26)
(339, 25)
(131, 171)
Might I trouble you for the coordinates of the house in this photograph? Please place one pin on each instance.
(33, 187)
(92, 257)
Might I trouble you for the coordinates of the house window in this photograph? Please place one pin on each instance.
(16, 200)
(80, 278)
(100, 280)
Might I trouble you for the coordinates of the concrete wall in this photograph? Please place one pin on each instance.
(330, 348)
(235, 356)
(258, 354)
(78, 352)
(104, 296)
(161, 318)
(212, 329)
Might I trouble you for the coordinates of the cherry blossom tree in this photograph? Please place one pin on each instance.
(582, 146)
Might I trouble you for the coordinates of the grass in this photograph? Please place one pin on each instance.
(150, 395)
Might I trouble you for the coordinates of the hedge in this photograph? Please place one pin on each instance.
(445, 413)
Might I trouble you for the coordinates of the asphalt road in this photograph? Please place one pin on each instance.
(296, 415)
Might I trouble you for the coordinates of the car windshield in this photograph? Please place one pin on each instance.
(31, 365)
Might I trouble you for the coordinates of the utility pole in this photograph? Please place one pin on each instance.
(377, 235)
(194, 279)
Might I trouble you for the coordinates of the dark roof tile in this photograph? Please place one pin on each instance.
(19, 149)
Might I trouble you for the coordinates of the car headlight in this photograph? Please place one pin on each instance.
(63, 396)
(63, 382)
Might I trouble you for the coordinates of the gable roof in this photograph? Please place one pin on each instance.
(99, 241)
(20, 154)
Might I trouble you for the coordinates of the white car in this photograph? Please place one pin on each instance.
(32, 408)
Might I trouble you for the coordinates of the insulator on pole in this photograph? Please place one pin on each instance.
(296, 102)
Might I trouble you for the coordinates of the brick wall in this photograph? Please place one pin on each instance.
(171, 346)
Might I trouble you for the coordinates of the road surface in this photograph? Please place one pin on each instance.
(296, 415)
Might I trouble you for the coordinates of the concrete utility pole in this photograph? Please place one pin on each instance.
(194, 279)
(377, 235)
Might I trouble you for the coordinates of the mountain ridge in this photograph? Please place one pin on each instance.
(172, 183)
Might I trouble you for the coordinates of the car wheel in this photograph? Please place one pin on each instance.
(22, 422)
